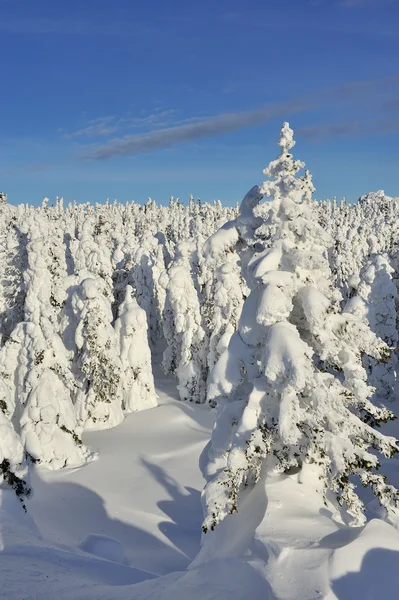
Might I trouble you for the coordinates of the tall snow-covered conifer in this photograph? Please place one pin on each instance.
(99, 400)
(374, 301)
(42, 383)
(185, 355)
(291, 386)
(137, 379)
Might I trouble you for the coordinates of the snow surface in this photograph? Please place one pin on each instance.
(140, 500)
(127, 526)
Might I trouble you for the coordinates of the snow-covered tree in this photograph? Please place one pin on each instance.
(373, 300)
(291, 386)
(147, 263)
(99, 400)
(13, 262)
(37, 365)
(91, 254)
(223, 291)
(185, 355)
(13, 464)
(137, 378)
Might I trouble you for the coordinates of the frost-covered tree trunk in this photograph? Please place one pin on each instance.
(185, 355)
(137, 379)
(291, 387)
(99, 399)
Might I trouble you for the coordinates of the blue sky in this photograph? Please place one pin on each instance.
(128, 99)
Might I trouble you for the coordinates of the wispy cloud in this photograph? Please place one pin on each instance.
(379, 125)
(190, 132)
(105, 126)
(26, 169)
(68, 26)
(322, 131)
(95, 127)
(364, 3)
(363, 97)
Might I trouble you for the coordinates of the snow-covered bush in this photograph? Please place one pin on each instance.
(291, 386)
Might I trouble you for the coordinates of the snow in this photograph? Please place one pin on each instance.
(138, 506)
(104, 547)
(127, 526)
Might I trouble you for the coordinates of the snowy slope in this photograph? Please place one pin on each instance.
(143, 494)
(107, 531)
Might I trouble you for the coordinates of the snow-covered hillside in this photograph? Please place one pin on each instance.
(198, 402)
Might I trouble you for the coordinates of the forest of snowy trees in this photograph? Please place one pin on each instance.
(280, 314)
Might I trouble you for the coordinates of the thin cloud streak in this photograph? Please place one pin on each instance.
(104, 126)
(95, 127)
(377, 126)
(27, 169)
(67, 26)
(364, 3)
(367, 91)
(190, 132)
(320, 132)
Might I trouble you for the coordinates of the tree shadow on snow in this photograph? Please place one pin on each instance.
(184, 511)
(66, 513)
(33, 567)
(378, 578)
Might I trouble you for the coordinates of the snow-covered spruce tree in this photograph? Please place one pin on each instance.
(185, 355)
(99, 400)
(147, 263)
(13, 262)
(137, 379)
(13, 464)
(91, 254)
(292, 387)
(35, 360)
(223, 291)
(373, 300)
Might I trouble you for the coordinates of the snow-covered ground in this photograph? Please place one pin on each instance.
(132, 515)
(128, 525)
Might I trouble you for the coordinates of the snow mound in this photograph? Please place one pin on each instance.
(368, 567)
